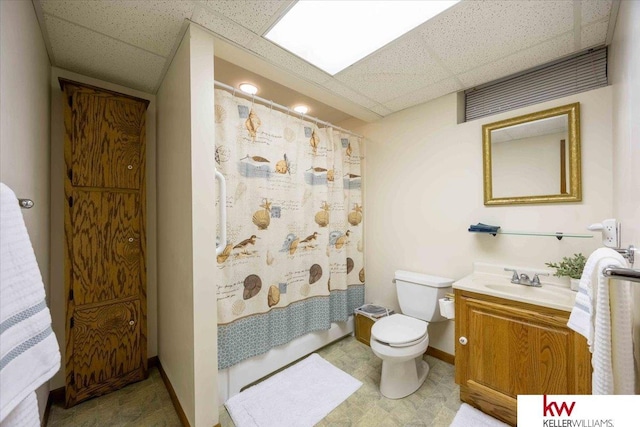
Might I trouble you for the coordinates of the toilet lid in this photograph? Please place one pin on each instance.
(398, 329)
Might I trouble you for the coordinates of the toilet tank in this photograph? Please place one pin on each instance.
(418, 294)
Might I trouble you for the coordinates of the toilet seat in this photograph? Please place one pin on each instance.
(399, 330)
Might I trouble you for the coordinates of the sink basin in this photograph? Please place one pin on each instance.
(543, 294)
(499, 286)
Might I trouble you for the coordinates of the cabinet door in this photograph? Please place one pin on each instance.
(106, 143)
(513, 354)
(512, 349)
(106, 258)
(106, 348)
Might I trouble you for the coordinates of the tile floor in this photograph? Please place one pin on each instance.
(434, 404)
(147, 403)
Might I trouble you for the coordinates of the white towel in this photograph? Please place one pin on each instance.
(468, 416)
(26, 414)
(602, 314)
(29, 354)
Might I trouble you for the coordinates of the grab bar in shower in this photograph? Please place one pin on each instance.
(222, 212)
(620, 273)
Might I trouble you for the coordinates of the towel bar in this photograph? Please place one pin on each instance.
(26, 203)
(627, 253)
(621, 273)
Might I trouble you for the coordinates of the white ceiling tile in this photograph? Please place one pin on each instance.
(594, 34)
(403, 66)
(252, 14)
(340, 89)
(381, 109)
(223, 26)
(424, 94)
(474, 33)
(594, 10)
(152, 25)
(520, 61)
(278, 56)
(76, 49)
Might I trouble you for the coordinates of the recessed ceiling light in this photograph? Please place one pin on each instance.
(248, 88)
(335, 34)
(302, 109)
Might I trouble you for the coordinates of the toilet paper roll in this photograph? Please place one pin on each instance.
(447, 308)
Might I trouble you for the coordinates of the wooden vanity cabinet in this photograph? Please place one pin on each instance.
(505, 348)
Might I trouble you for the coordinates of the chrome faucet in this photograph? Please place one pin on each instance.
(515, 278)
(536, 280)
(524, 279)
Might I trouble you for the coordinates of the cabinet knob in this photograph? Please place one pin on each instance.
(463, 340)
(130, 167)
(130, 239)
(131, 322)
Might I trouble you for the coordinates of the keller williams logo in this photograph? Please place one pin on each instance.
(548, 408)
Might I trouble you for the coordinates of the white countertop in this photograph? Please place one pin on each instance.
(551, 295)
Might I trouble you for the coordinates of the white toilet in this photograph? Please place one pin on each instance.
(400, 340)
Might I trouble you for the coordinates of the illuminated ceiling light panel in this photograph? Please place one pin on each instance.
(335, 34)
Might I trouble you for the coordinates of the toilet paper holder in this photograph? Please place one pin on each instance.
(447, 306)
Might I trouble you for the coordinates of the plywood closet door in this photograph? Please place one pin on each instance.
(106, 144)
(104, 241)
(106, 246)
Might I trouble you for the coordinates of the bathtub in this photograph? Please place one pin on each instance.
(232, 379)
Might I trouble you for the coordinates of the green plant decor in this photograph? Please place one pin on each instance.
(570, 267)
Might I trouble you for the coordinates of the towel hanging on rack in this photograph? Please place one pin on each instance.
(602, 314)
(29, 354)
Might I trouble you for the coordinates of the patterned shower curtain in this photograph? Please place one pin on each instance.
(293, 262)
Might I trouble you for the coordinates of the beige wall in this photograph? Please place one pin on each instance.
(187, 341)
(424, 188)
(58, 301)
(528, 166)
(624, 73)
(24, 126)
(205, 315)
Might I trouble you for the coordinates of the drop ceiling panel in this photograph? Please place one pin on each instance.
(336, 87)
(404, 66)
(540, 54)
(594, 34)
(276, 55)
(595, 10)
(150, 25)
(479, 32)
(251, 14)
(381, 109)
(76, 48)
(429, 92)
(222, 26)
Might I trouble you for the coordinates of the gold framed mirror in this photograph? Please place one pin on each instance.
(533, 158)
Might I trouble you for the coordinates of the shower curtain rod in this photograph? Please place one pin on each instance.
(282, 107)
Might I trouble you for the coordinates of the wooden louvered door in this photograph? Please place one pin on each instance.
(105, 268)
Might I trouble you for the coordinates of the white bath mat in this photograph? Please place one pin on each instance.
(468, 416)
(299, 396)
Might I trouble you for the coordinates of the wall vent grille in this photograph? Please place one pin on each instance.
(582, 72)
